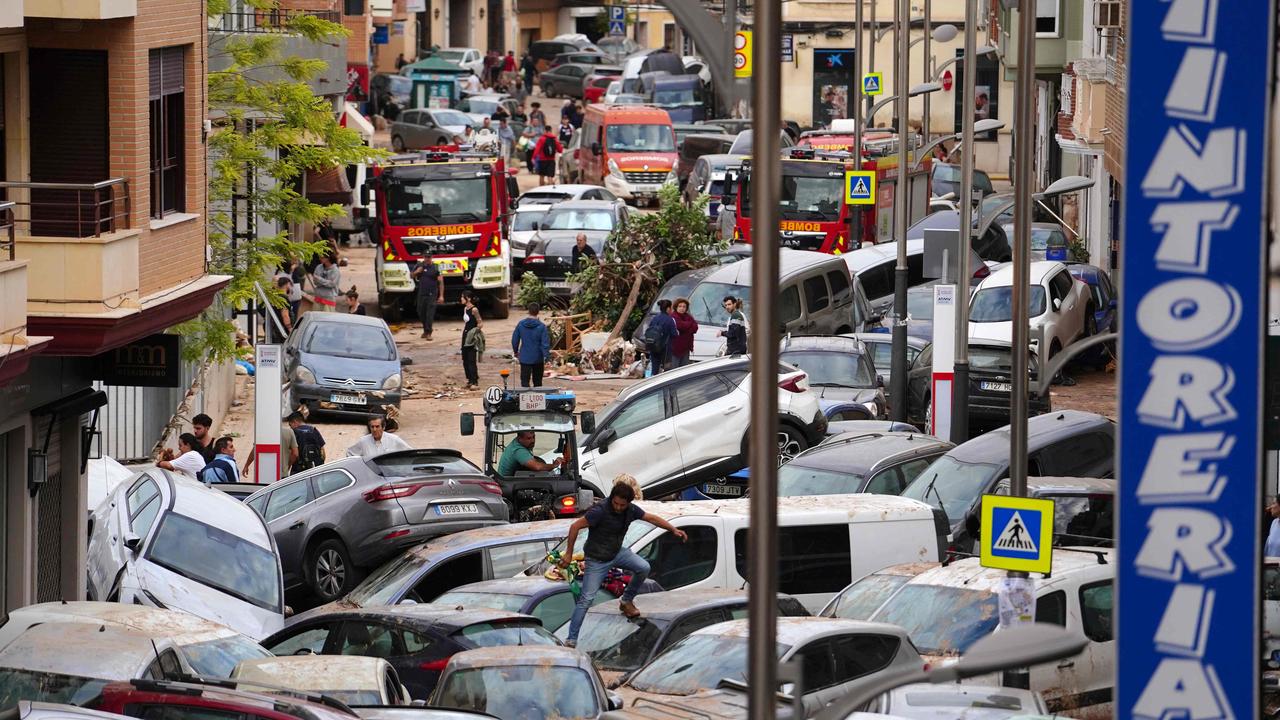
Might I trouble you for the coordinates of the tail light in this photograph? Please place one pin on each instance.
(434, 665)
(395, 492)
(529, 260)
(395, 534)
(567, 504)
(487, 485)
(982, 271)
(792, 384)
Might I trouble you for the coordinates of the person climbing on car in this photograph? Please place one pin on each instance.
(544, 154)
(735, 333)
(609, 521)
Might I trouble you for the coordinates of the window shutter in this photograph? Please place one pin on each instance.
(166, 71)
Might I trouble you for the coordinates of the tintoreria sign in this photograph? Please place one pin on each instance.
(1191, 371)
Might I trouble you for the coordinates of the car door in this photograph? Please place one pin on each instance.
(819, 318)
(409, 129)
(919, 382)
(790, 308)
(287, 520)
(134, 515)
(706, 401)
(641, 442)
(306, 638)
(1068, 315)
(841, 660)
(1088, 678)
(691, 563)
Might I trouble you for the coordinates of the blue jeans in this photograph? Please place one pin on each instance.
(595, 574)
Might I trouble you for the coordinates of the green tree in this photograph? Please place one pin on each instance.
(269, 129)
(642, 255)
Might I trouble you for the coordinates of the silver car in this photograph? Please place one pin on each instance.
(334, 521)
(340, 363)
(417, 129)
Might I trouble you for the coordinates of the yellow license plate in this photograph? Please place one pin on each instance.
(452, 266)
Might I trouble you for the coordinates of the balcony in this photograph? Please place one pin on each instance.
(16, 346)
(81, 9)
(332, 81)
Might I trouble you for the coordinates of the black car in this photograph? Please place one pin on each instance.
(990, 385)
(1068, 443)
(619, 645)
(883, 463)
(946, 179)
(550, 601)
(550, 253)
(840, 372)
(989, 240)
(417, 640)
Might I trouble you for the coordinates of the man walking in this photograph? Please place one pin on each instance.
(222, 468)
(325, 282)
(531, 344)
(430, 292)
(288, 452)
(310, 443)
(609, 521)
(378, 441)
(544, 154)
(658, 336)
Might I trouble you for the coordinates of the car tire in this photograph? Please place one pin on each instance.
(791, 442)
(397, 143)
(1090, 322)
(329, 571)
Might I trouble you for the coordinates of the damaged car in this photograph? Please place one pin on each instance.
(352, 679)
(519, 683)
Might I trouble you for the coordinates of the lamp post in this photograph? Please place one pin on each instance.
(984, 125)
(902, 190)
(855, 211)
(921, 89)
(960, 370)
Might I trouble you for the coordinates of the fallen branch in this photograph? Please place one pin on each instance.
(632, 298)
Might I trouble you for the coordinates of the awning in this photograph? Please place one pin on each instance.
(328, 187)
(352, 118)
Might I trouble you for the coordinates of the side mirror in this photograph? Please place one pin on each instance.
(405, 361)
(364, 194)
(588, 422)
(595, 148)
(1057, 304)
(606, 437)
(585, 499)
(133, 542)
(467, 423)
(973, 526)
(615, 700)
(880, 381)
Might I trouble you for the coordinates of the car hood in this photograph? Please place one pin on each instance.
(828, 395)
(561, 242)
(179, 593)
(355, 368)
(991, 331)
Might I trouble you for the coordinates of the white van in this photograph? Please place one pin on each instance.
(823, 542)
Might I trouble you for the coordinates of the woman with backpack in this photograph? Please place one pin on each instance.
(544, 157)
(659, 335)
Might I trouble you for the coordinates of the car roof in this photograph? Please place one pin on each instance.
(568, 188)
(795, 630)
(587, 205)
(348, 318)
(964, 695)
(674, 603)
(506, 656)
(969, 574)
(180, 627)
(1071, 485)
(27, 708)
(423, 614)
(858, 451)
(871, 337)
(199, 502)
(722, 161)
(314, 672)
(523, 585)
(853, 508)
(299, 703)
(108, 652)
(406, 712)
(1037, 273)
(865, 257)
(789, 262)
(493, 535)
(825, 343)
(1041, 430)
(734, 362)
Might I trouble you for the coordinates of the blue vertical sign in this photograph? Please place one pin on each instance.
(1190, 356)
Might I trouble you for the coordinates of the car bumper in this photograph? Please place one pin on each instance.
(816, 429)
(323, 398)
(382, 545)
(629, 191)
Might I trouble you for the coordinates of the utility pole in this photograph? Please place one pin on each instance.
(766, 173)
(729, 14)
(960, 379)
(871, 50)
(855, 211)
(901, 192)
(928, 68)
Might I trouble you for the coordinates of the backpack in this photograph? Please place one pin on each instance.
(655, 339)
(549, 149)
(208, 474)
(309, 453)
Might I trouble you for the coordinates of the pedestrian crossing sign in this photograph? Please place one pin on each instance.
(859, 187)
(873, 83)
(1017, 533)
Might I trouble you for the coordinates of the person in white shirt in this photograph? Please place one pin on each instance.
(377, 442)
(189, 460)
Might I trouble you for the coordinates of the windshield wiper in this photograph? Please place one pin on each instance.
(840, 385)
(932, 489)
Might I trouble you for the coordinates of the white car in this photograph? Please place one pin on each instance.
(464, 57)
(353, 679)
(1059, 303)
(612, 92)
(534, 204)
(948, 608)
(925, 701)
(167, 541)
(689, 425)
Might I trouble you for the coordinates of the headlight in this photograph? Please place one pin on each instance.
(302, 374)
(614, 170)
(392, 382)
(671, 176)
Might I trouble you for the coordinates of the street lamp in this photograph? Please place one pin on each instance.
(983, 125)
(937, 72)
(921, 89)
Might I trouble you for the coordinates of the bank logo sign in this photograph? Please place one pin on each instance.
(1190, 359)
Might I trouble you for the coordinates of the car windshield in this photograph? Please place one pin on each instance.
(495, 601)
(1083, 519)
(17, 684)
(430, 202)
(501, 634)
(834, 369)
(524, 221)
(383, 584)
(995, 304)
(616, 642)
(794, 480)
(351, 340)
(675, 97)
(995, 359)
(639, 138)
(860, 600)
(453, 56)
(920, 305)
(450, 117)
(707, 302)
(952, 486)
(942, 620)
(697, 662)
(946, 173)
(217, 558)
(675, 288)
(520, 692)
(482, 106)
(811, 198)
(1039, 237)
(578, 219)
(217, 658)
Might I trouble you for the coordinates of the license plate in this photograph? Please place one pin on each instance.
(996, 386)
(452, 266)
(346, 399)
(726, 490)
(556, 284)
(533, 401)
(457, 509)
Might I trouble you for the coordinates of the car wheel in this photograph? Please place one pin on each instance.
(330, 573)
(1090, 322)
(790, 443)
(397, 143)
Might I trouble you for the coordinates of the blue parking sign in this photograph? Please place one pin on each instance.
(618, 13)
(1194, 249)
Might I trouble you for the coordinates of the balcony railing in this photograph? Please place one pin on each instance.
(275, 20)
(6, 230)
(75, 210)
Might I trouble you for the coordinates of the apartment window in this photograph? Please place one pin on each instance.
(167, 136)
(1048, 16)
(353, 7)
(669, 36)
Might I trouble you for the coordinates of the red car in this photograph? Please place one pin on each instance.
(174, 700)
(595, 84)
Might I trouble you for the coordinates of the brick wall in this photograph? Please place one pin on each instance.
(173, 254)
(1117, 102)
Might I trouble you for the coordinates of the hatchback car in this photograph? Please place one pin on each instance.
(335, 522)
(990, 386)
(1106, 314)
(552, 602)
(840, 372)
(880, 345)
(467, 58)
(550, 252)
(881, 463)
(947, 178)
(165, 540)
(355, 679)
(342, 364)
(565, 79)
(619, 645)
(479, 107)
(864, 596)
(416, 639)
(423, 128)
(520, 683)
(1059, 305)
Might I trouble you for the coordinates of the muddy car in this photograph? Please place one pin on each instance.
(151, 699)
(550, 601)
(352, 679)
(519, 683)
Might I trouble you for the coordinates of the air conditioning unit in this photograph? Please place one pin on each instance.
(1108, 13)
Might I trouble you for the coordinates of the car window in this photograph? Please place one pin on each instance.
(686, 626)
(1062, 284)
(841, 288)
(817, 666)
(259, 503)
(1082, 455)
(862, 654)
(1052, 608)
(698, 391)
(1095, 611)
(165, 666)
(554, 610)
(811, 558)
(675, 564)
(886, 482)
(816, 295)
(140, 494)
(367, 639)
(510, 560)
(915, 270)
(454, 572)
(311, 638)
(288, 498)
(141, 523)
(734, 377)
(412, 642)
(789, 304)
(326, 483)
(640, 414)
(877, 281)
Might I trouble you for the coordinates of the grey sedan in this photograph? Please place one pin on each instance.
(421, 128)
(340, 363)
(333, 522)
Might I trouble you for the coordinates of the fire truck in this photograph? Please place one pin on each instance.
(811, 209)
(453, 206)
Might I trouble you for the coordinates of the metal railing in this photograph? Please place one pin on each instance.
(75, 210)
(274, 20)
(6, 230)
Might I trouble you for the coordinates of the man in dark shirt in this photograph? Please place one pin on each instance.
(430, 292)
(200, 426)
(609, 521)
(583, 251)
